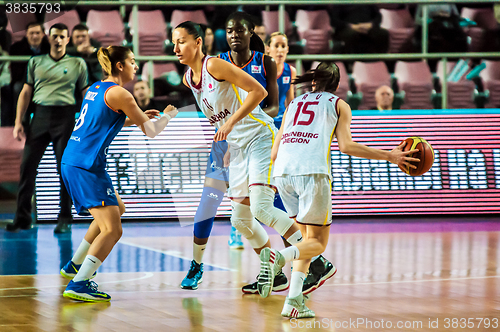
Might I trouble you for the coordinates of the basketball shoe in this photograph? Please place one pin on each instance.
(85, 290)
(296, 308)
(194, 276)
(280, 284)
(271, 262)
(320, 271)
(70, 270)
(235, 239)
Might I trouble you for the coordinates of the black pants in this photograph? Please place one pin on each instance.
(49, 124)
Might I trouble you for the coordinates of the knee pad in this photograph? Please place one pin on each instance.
(242, 219)
(262, 207)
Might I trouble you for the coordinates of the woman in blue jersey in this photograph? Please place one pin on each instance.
(106, 108)
(230, 98)
(277, 48)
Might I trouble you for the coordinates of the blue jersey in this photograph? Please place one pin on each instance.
(254, 67)
(284, 82)
(95, 129)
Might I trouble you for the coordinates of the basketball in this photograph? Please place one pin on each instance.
(425, 154)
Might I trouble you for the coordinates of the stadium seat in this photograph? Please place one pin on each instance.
(401, 27)
(491, 81)
(270, 19)
(152, 32)
(314, 27)
(11, 153)
(368, 77)
(179, 16)
(159, 70)
(106, 27)
(461, 93)
(415, 79)
(17, 24)
(69, 18)
(485, 19)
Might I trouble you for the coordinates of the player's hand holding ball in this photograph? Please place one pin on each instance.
(421, 153)
(170, 111)
(403, 158)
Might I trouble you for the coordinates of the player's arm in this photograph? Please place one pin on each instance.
(22, 105)
(272, 88)
(277, 140)
(151, 114)
(291, 92)
(347, 146)
(223, 70)
(120, 99)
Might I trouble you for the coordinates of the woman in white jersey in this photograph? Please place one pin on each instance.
(303, 174)
(230, 99)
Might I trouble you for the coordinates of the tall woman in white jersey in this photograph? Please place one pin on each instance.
(230, 99)
(303, 172)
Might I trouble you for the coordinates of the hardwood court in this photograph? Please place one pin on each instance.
(427, 276)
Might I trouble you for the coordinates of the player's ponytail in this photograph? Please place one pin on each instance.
(326, 77)
(109, 57)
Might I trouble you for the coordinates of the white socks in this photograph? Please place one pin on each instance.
(198, 251)
(296, 284)
(81, 252)
(295, 238)
(291, 253)
(89, 266)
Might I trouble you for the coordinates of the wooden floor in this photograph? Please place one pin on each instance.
(391, 276)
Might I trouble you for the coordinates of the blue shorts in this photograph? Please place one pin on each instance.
(215, 166)
(88, 189)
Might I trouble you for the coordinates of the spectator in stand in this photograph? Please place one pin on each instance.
(34, 43)
(260, 30)
(209, 40)
(142, 94)
(83, 46)
(5, 38)
(384, 96)
(358, 28)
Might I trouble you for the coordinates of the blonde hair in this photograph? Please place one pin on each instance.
(110, 56)
(274, 34)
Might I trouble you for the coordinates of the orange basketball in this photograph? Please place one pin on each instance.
(425, 154)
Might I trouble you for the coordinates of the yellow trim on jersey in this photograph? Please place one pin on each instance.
(329, 210)
(328, 160)
(262, 123)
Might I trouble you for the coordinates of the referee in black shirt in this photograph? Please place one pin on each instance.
(51, 82)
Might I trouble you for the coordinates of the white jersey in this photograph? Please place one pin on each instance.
(307, 135)
(218, 100)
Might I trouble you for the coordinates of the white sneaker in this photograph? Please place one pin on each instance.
(295, 308)
(271, 262)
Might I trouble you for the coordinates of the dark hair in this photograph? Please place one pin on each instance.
(80, 27)
(35, 24)
(143, 81)
(195, 30)
(109, 57)
(59, 26)
(256, 44)
(326, 77)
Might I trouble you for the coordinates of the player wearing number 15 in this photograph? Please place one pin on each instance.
(105, 109)
(303, 173)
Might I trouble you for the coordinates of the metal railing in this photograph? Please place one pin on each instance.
(281, 9)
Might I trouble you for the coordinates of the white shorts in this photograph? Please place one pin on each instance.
(250, 165)
(308, 198)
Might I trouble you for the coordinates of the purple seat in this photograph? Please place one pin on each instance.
(179, 16)
(461, 93)
(314, 27)
(491, 81)
(106, 27)
(485, 19)
(11, 155)
(69, 18)
(17, 24)
(159, 68)
(368, 77)
(270, 19)
(415, 79)
(400, 25)
(152, 32)
(344, 79)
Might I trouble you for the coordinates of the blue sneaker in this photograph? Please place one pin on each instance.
(85, 290)
(194, 276)
(70, 270)
(235, 239)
